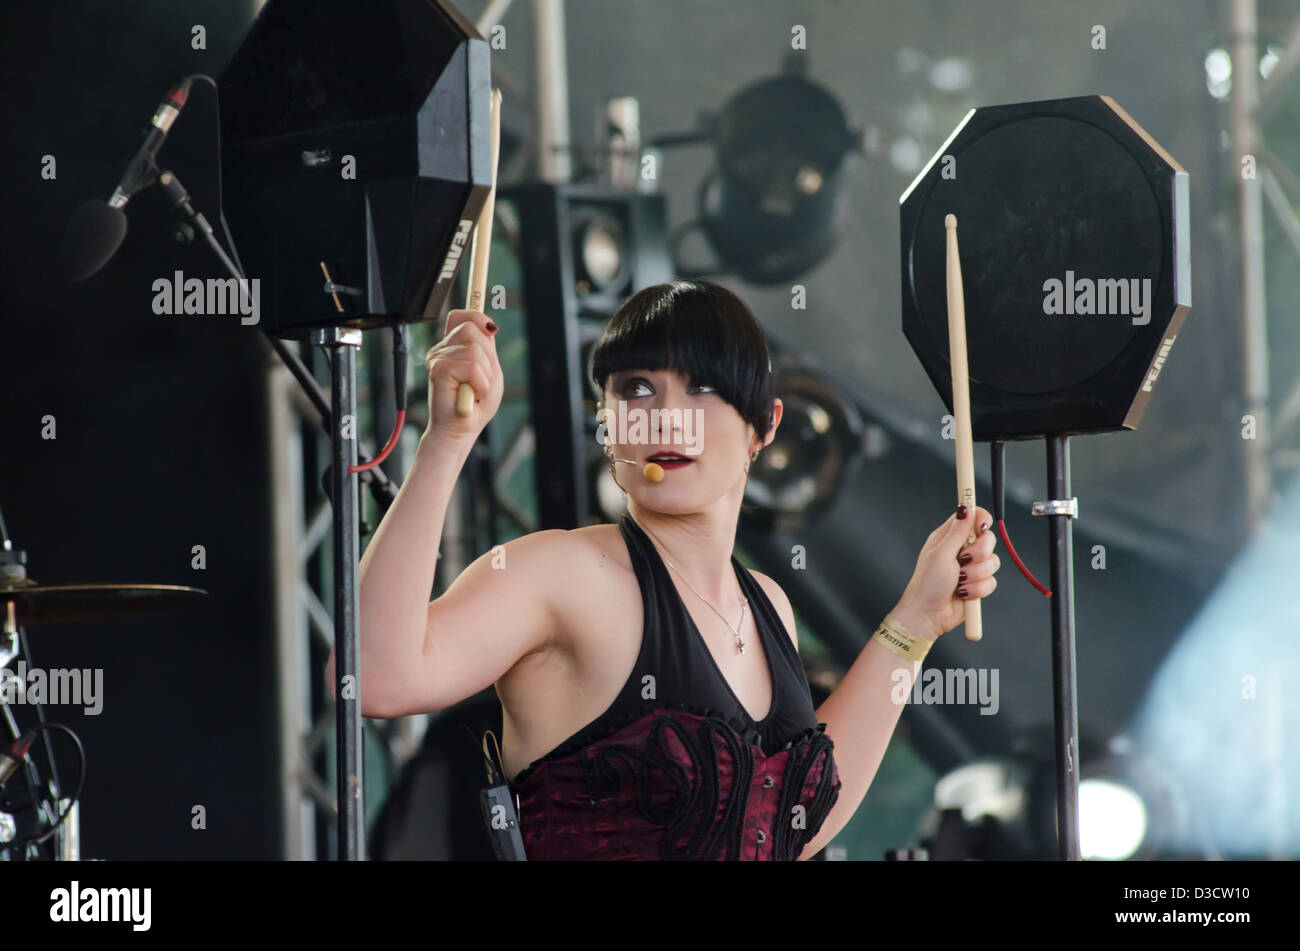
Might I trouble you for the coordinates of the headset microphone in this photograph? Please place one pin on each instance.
(651, 470)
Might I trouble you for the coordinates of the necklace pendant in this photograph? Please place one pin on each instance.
(740, 643)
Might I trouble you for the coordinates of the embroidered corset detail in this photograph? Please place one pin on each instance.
(679, 783)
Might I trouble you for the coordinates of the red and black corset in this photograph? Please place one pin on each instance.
(677, 783)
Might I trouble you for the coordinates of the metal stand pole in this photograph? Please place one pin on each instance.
(554, 159)
(341, 419)
(68, 836)
(342, 345)
(1061, 508)
(1250, 222)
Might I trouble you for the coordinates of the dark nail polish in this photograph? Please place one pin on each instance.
(961, 512)
(965, 558)
(961, 577)
(491, 327)
(961, 592)
(984, 528)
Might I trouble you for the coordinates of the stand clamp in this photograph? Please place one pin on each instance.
(1052, 507)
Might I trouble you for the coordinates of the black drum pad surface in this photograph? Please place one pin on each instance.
(1069, 219)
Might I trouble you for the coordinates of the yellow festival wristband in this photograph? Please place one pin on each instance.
(893, 636)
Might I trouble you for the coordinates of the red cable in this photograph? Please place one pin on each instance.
(1011, 550)
(383, 454)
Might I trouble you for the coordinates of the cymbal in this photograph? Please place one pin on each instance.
(36, 604)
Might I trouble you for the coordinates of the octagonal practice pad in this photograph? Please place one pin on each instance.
(1074, 233)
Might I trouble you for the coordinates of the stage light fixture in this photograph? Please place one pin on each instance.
(1129, 807)
(768, 209)
(599, 253)
(817, 446)
(767, 206)
(1112, 819)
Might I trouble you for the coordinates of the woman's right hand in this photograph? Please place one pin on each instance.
(467, 354)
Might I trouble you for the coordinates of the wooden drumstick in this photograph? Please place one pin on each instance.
(479, 250)
(961, 404)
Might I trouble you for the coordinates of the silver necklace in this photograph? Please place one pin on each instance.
(744, 602)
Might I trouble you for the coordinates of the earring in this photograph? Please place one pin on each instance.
(609, 451)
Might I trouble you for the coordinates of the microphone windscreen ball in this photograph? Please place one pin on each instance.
(93, 236)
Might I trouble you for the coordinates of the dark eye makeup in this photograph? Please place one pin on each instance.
(631, 383)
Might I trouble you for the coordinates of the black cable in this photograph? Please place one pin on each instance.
(997, 450)
(221, 209)
(26, 649)
(401, 345)
(31, 775)
(221, 205)
(76, 796)
(40, 713)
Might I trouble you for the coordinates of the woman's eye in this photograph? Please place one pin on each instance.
(632, 386)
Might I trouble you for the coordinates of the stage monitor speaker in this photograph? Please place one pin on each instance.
(1074, 234)
(584, 249)
(357, 134)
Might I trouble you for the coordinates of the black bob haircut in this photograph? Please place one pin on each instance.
(698, 329)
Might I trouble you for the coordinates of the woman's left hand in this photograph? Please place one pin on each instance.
(935, 599)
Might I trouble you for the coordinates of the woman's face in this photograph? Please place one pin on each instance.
(692, 420)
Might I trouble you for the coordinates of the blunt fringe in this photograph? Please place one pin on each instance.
(698, 329)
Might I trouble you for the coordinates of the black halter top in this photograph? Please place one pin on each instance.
(594, 795)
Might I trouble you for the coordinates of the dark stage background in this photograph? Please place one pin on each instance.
(161, 438)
